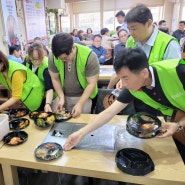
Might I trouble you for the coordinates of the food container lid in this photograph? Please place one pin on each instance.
(134, 161)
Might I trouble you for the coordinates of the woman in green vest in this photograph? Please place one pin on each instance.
(22, 82)
(38, 63)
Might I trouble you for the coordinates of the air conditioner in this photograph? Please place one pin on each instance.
(55, 4)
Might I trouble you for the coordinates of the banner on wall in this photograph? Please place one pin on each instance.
(11, 22)
(35, 19)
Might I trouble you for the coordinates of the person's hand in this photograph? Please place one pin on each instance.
(60, 105)
(102, 56)
(47, 108)
(119, 85)
(77, 110)
(168, 129)
(73, 140)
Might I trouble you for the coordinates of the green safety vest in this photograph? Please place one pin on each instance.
(83, 53)
(41, 70)
(158, 49)
(174, 92)
(33, 89)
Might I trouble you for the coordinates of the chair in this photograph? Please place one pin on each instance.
(102, 93)
(4, 94)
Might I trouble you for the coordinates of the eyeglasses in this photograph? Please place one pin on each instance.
(35, 60)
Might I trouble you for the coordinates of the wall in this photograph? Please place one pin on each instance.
(3, 44)
(78, 6)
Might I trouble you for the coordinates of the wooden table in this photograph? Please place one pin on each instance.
(169, 167)
(106, 71)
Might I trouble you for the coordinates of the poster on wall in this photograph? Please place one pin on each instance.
(11, 22)
(35, 19)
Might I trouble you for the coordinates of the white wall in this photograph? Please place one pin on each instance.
(3, 44)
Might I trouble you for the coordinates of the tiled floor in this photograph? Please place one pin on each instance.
(27, 177)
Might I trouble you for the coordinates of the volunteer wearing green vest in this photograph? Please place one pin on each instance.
(74, 70)
(38, 63)
(152, 84)
(157, 45)
(22, 82)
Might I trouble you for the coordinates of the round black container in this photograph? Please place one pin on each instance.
(134, 161)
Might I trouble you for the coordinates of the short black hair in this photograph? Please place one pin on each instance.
(182, 22)
(164, 29)
(140, 13)
(62, 43)
(120, 13)
(13, 48)
(132, 58)
(89, 29)
(104, 30)
(121, 31)
(161, 22)
(118, 27)
(97, 35)
(37, 38)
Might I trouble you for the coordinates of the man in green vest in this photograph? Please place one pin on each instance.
(74, 71)
(151, 84)
(157, 45)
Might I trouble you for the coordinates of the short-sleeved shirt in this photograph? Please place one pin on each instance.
(172, 51)
(72, 86)
(15, 59)
(18, 79)
(156, 93)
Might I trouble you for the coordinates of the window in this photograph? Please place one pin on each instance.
(65, 24)
(157, 13)
(183, 13)
(108, 20)
(88, 20)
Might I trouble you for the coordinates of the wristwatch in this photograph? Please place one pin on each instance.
(180, 127)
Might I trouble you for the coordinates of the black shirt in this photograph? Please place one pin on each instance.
(156, 93)
(178, 34)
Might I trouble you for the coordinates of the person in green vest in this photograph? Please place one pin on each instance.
(22, 82)
(157, 45)
(74, 71)
(151, 84)
(38, 63)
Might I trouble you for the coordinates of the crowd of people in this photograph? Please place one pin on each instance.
(146, 59)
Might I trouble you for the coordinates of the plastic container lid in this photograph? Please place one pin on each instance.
(134, 161)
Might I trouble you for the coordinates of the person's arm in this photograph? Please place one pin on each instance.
(103, 56)
(48, 91)
(49, 98)
(101, 119)
(170, 128)
(77, 109)
(18, 79)
(58, 88)
(113, 81)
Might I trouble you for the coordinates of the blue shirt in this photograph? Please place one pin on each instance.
(124, 26)
(173, 50)
(119, 47)
(101, 51)
(15, 59)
